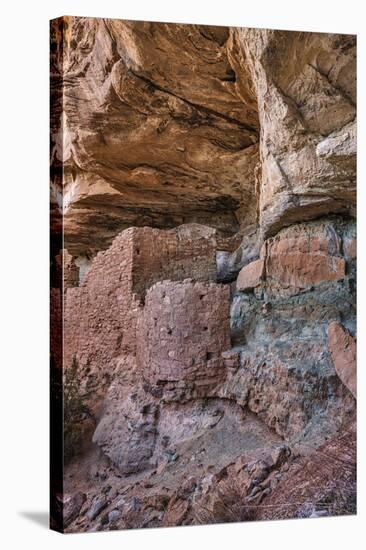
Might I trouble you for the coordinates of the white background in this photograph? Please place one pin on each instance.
(24, 271)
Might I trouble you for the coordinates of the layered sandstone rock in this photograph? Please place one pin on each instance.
(206, 180)
(161, 103)
(306, 92)
(304, 256)
(281, 330)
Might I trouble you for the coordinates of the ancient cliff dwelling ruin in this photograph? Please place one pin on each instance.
(203, 274)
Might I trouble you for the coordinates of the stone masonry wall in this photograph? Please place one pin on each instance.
(101, 314)
(187, 251)
(182, 332)
(64, 274)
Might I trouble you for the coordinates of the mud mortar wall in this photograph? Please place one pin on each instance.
(183, 330)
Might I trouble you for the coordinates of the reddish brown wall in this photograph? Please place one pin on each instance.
(106, 303)
(101, 314)
(175, 255)
(182, 332)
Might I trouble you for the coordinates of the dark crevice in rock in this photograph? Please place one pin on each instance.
(245, 127)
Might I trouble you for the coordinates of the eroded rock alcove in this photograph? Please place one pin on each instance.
(205, 182)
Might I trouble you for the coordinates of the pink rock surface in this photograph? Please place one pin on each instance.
(181, 334)
(342, 347)
(250, 276)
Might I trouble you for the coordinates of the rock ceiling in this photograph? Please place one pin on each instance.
(160, 124)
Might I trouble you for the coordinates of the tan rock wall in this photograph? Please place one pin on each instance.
(305, 87)
(160, 103)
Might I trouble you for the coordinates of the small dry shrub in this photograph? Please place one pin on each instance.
(227, 505)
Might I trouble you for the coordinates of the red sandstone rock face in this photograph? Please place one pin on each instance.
(301, 259)
(181, 333)
(343, 350)
(298, 258)
(251, 275)
(301, 270)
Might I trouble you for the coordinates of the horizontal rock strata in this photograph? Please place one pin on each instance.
(204, 179)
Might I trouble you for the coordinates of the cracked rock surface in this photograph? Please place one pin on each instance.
(205, 181)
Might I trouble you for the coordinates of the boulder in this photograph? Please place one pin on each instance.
(342, 347)
(250, 276)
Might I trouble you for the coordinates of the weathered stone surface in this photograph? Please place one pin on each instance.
(101, 314)
(305, 87)
(251, 275)
(71, 507)
(342, 347)
(182, 332)
(64, 271)
(304, 269)
(340, 147)
(229, 262)
(114, 516)
(303, 256)
(176, 511)
(98, 505)
(182, 141)
(127, 429)
(153, 417)
(181, 156)
(160, 255)
(100, 317)
(234, 492)
(280, 331)
(231, 359)
(161, 103)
